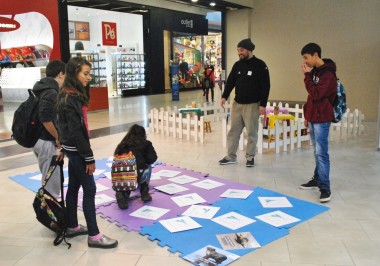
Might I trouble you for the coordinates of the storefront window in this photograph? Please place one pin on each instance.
(192, 53)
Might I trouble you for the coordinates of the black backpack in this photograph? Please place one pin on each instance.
(49, 211)
(207, 83)
(26, 127)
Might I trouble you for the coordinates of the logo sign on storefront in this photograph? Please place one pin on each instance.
(187, 22)
(109, 34)
(7, 24)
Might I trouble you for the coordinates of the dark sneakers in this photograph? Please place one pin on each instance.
(309, 185)
(250, 163)
(325, 195)
(225, 161)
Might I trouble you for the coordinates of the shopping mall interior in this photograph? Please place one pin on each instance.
(345, 233)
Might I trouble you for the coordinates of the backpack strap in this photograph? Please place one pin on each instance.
(52, 167)
(207, 76)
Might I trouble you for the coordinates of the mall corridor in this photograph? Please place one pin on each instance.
(346, 235)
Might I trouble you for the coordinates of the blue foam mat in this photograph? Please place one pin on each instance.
(34, 184)
(189, 241)
(252, 207)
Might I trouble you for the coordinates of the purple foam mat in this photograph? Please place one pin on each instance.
(122, 218)
(209, 195)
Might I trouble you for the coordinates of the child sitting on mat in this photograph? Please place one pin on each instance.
(135, 140)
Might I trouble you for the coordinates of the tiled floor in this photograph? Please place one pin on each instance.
(348, 234)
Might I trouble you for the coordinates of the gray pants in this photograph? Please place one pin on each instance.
(45, 150)
(243, 115)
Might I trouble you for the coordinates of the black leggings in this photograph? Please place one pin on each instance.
(212, 93)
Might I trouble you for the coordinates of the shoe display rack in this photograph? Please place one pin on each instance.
(98, 70)
(130, 72)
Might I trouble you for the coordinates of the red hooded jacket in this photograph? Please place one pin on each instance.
(321, 85)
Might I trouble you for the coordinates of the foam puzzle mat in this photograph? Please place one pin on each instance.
(211, 190)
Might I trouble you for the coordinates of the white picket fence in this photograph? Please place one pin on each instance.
(291, 133)
(171, 123)
(350, 125)
(285, 135)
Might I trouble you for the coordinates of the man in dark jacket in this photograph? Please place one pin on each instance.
(321, 86)
(48, 145)
(250, 78)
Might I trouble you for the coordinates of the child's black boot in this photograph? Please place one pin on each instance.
(122, 199)
(144, 190)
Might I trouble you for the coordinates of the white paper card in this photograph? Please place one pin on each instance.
(36, 177)
(168, 173)
(241, 240)
(108, 175)
(171, 188)
(208, 184)
(102, 198)
(275, 202)
(149, 212)
(200, 211)
(178, 224)
(277, 218)
(183, 179)
(236, 193)
(99, 171)
(233, 220)
(155, 176)
(188, 199)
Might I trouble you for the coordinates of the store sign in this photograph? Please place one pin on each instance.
(187, 22)
(7, 24)
(109, 34)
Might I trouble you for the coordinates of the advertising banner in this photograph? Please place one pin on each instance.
(109, 34)
(29, 32)
(174, 81)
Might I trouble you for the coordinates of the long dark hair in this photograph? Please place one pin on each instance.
(133, 139)
(71, 82)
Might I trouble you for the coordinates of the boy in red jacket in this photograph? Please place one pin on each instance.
(321, 86)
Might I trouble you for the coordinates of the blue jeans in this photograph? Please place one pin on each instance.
(147, 174)
(78, 177)
(319, 134)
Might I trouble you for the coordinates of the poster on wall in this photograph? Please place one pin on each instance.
(22, 45)
(109, 35)
(39, 29)
(79, 30)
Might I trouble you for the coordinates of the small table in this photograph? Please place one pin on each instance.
(198, 111)
(272, 118)
(270, 110)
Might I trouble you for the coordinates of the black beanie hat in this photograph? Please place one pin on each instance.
(246, 44)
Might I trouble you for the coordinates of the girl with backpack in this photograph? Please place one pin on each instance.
(135, 140)
(74, 135)
(208, 82)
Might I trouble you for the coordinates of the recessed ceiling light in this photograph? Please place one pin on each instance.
(194, 1)
(212, 4)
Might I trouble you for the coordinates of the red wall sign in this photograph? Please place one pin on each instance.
(47, 8)
(8, 24)
(109, 34)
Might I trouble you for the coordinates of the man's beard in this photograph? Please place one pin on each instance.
(243, 57)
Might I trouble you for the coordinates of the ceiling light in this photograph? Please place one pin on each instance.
(212, 4)
(194, 1)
